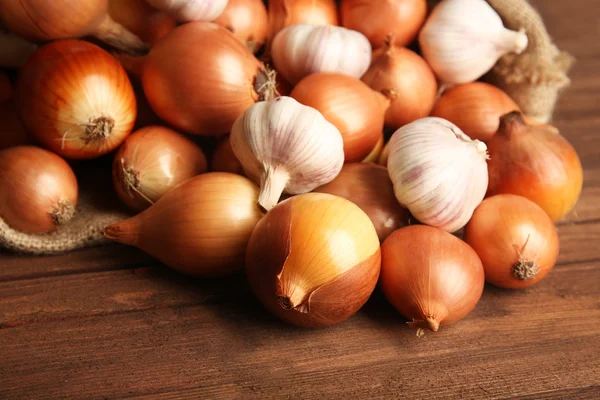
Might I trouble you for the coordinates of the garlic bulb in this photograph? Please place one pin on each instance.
(286, 146)
(301, 50)
(438, 172)
(191, 10)
(463, 39)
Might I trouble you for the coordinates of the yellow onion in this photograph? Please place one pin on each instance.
(247, 20)
(313, 260)
(141, 18)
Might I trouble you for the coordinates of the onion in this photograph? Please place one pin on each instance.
(223, 159)
(141, 19)
(76, 99)
(475, 108)
(515, 239)
(14, 50)
(406, 79)
(369, 187)
(376, 19)
(313, 260)
(43, 20)
(373, 156)
(38, 189)
(151, 162)
(247, 20)
(536, 163)
(350, 105)
(201, 227)
(430, 276)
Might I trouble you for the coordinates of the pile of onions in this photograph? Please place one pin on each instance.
(223, 159)
(475, 108)
(141, 19)
(200, 78)
(313, 260)
(151, 162)
(76, 99)
(247, 20)
(350, 105)
(376, 19)
(534, 162)
(201, 227)
(430, 276)
(43, 21)
(38, 189)
(515, 239)
(369, 187)
(406, 79)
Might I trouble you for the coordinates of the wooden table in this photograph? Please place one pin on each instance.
(112, 323)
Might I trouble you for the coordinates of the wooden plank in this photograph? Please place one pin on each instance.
(586, 393)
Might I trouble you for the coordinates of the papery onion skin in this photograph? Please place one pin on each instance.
(200, 79)
(376, 19)
(536, 163)
(369, 187)
(200, 228)
(432, 277)
(313, 260)
(38, 189)
(406, 79)
(141, 18)
(152, 161)
(76, 99)
(475, 108)
(516, 240)
(350, 105)
(223, 159)
(247, 20)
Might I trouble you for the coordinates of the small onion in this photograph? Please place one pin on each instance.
(350, 105)
(247, 20)
(38, 189)
(223, 159)
(406, 79)
(515, 239)
(151, 162)
(141, 18)
(534, 162)
(475, 108)
(76, 99)
(369, 187)
(313, 260)
(201, 227)
(430, 276)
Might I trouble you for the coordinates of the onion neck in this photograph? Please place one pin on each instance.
(125, 232)
(524, 270)
(272, 184)
(388, 44)
(428, 323)
(116, 35)
(62, 212)
(510, 123)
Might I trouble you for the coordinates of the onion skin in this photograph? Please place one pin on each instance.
(405, 79)
(536, 163)
(141, 19)
(350, 105)
(151, 162)
(223, 159)
(475, 108)
(376, 19)
(247, 20)
(430, 276)
(38, 189)
(76, 99)
(200, 228)
(313, 260)
(369, 187)
(516, 240)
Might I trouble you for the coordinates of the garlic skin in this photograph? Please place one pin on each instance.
(438, 172)
(286, 147)
(463, 39)
(191, 10)
(301, 50)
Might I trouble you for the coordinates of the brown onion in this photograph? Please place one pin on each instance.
(313, 260)
(247, 20)
(44, 20)
(376, 19)
(430, 276)
(475, 108)
(76, 99)
(223, 159)
(369, 187)
(536, 163)
(38, 189)
(350, 105)
(141, 19)
(201, 227)
(515, 239)
(151, 162)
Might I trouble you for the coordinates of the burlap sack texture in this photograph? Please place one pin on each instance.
(533, 79)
